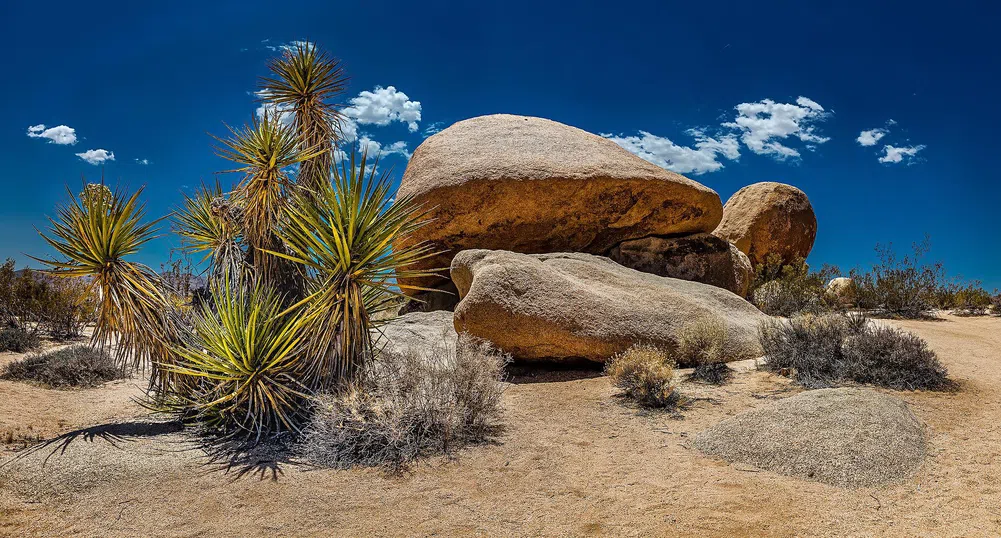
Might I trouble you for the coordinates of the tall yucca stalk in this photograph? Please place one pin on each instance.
(305, 80)
(343, 234)
(94, 233)
(243, 365)
(211, 225)
(265, 150)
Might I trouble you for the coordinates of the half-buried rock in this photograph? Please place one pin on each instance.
(580, 306)
(845, 437)
(529, 184)
(701, 258)
(769, 218)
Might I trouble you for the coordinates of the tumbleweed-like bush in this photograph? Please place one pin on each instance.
(403, 407)
(645, 374)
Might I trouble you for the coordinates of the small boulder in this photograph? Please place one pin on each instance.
(529, 184)
(769, 218)
(701, 258)
(418, 331)
(841, 290)
(580, 306)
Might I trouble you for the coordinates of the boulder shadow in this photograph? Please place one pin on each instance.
(552, 371)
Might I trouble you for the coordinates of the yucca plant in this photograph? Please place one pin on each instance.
(342, 234)
(94, 233)
(304, 82)
(242, 368)
(211, 225)
(265, 151)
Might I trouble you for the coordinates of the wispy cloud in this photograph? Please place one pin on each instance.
(871, 136)
(894, 154)
(61, 134)
(704, 157)
(433, 128)
(144, 162)
(96, 156)
(764, 126)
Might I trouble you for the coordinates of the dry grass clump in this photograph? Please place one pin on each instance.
(410, 405)
(845, 437)
(18, 340)
(646, 374)
(706, 344)
(825, 351)
(73, 366)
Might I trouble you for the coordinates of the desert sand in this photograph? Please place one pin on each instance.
(574, 460)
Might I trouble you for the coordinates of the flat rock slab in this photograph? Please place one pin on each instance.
(580, 306)
(847, 437)
(418, 331)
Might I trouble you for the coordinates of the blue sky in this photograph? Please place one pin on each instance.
(728, 93)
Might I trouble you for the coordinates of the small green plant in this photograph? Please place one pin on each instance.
(834, 349)
(781, 289)
(73, 366)
(18, 340)
(645, 374)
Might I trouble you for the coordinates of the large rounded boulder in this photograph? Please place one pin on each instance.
(701, 258)
(769, 218)
(580, 306)
(533, 185)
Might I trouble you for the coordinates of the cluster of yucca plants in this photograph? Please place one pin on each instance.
(298, 258)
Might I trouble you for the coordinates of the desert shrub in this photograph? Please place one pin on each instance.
(972, 300)
(18, 340)
(706, 344)
(781, 289)
(409, 405)
(832, 349)
(645, 374)
(996, 303)
(892, 358)
(904, 287)
(73, 366)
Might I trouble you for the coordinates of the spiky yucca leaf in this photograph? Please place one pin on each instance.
(304, 81)
(209, 223)
(265, 150)
(242, 367)
(94, 233)
(343, 235)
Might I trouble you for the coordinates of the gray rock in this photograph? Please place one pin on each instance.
(563, 306)
(420, 331)
(701, 258)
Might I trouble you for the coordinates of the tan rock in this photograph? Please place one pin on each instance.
(701, 258)
(559, 306)
(533, 185)
(421, 332)
(841, 290)
(769, 218)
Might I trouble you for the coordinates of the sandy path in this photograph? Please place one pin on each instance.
(574, 461)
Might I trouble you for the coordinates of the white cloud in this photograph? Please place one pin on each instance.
(144, 162)
(61, 134)
(870, 137)
(434, 128)
(666, 154)
(96, 156)
(383, 106)
(763, 125)
(893, 154)
(375, 149)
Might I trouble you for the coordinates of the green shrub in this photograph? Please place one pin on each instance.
(903, 287)
(73, 366)
(833, 349)
(18, 340)
(408, 406)
(785, 289)
(645, 374)
(996, 303)
(972, 300)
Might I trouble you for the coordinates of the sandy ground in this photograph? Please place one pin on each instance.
(573, 461)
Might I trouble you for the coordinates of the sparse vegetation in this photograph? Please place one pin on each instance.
(903, 287)
(74, 366)
(406, 406)
(706, 344)
(782, 289)
(36, 303)
(18, 340)
(645, 374)
(834, 349)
